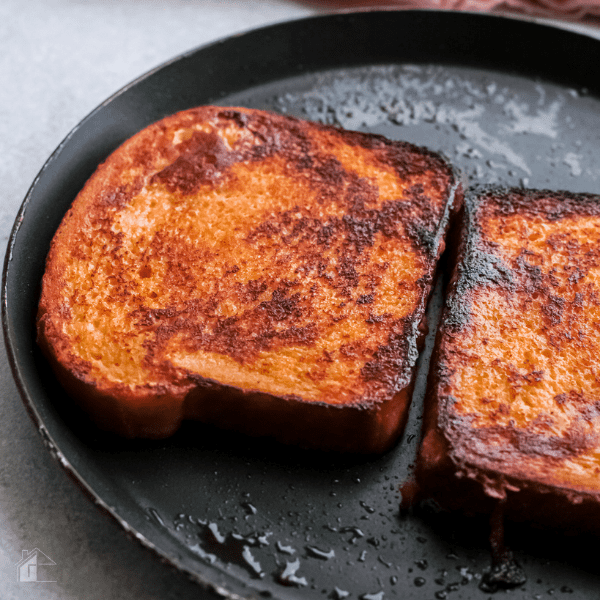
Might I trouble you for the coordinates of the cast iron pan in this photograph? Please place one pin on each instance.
(509, 102)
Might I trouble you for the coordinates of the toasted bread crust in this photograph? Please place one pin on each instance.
(251, 270)
(512, 409)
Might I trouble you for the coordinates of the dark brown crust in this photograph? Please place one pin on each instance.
(290, 420)
(279, 310)
(471, 468)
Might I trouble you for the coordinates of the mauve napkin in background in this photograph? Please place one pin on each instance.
(559, 9)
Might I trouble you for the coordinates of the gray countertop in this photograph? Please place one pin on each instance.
(59, 59)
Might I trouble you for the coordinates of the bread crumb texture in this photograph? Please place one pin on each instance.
(269, 254)
(523, 368)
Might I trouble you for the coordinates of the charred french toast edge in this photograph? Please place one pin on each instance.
(452, 478)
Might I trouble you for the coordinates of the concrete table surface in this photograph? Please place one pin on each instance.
(58, 60)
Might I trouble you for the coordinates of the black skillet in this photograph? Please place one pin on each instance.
(510, 102)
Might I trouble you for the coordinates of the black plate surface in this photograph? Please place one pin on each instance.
(509, 102)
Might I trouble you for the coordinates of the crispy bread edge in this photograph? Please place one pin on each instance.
(157, 412)
(148, 412)
(444, 474)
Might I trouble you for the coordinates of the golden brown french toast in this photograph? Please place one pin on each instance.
(250, 270)
(513, 405)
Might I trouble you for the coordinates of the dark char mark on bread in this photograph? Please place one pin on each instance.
(512, 412)
(319, 213)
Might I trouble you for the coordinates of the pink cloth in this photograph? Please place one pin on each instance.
(561, 9)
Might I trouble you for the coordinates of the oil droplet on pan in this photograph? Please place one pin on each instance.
(156, 515)
(377, 596)
(313, 551)
(285, 549)
(288, 576)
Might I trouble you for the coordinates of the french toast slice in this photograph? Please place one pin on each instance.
(249, 270)
(512, 415)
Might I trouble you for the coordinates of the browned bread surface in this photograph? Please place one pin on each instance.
(513, 405)
(250, 270)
